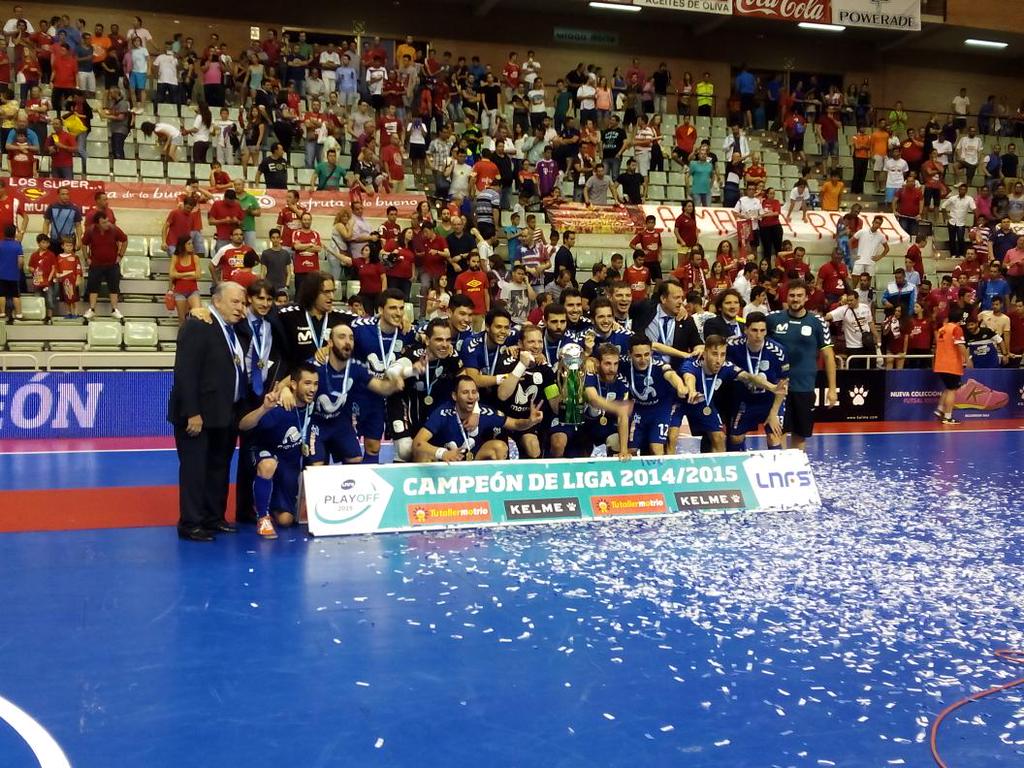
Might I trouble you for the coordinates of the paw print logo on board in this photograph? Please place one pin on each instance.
(858, 396)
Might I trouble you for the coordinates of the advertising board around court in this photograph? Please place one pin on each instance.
(352, 499)
(987, 393)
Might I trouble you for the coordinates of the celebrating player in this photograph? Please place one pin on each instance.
(279, 440)
(653, 388)
(532, 381)
(608, 407)
(467, 431)
(758, 354)
(702, 378)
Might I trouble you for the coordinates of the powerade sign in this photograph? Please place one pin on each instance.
(81, 404)
(354, 499)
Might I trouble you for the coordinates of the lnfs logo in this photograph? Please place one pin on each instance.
(796, 479)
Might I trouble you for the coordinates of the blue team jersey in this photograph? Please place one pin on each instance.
(649, 389)
(481, 355)
(770, 362)
(333, 399)
(446, 429)
(462, 340)
(375, 350)
(279, 432)
(708, 383)
(618, 338)
(617, 390)
(575, 332)
(802, 338)
(983, 347)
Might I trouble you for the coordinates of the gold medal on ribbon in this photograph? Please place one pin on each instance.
(428, 400)
(603, 421)
(707, 410)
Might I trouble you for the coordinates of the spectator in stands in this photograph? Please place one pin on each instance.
(274, 170)
(184, 274)
(228, 258)
(61, 146)
(177, 225)
(64, 218)
(12, 265)
(277, 262)
(42, 266)
(958, 210)
(168, 139)
(118, 114)
(105, 246)
(908, 205)
(225, 214)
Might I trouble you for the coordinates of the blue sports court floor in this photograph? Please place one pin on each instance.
(813, 639)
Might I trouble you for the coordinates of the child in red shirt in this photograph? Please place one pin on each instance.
(69, 275)
(43, 264)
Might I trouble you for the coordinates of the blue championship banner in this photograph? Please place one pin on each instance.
(84, 404)
(351, 499)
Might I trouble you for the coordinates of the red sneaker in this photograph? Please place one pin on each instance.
(975, 396)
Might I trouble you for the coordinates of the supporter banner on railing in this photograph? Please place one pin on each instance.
(40, 193)
(84, 404)
(987, 393)
(898, 15)
(404, 497)
(814, 11)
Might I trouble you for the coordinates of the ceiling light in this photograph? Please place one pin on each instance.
(984, 43)
(821, 27)
(616, 7)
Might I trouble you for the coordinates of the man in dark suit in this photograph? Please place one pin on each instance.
(673, 337)
(210, 384)
(262, 336)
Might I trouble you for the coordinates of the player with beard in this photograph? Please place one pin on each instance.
(307, 323)
(622, 300)
(489, 356)
(702, 378)
(577, 325)
(531, 381)
(378, 344)
(464, 430)
(460, 317)
(757, 354)
(608, 412)
(430, 370)
(340, 380)
(654, 389)
(279, 439)
(606, 331)
(555, 321)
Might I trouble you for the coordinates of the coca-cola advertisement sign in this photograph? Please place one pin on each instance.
(817, 11)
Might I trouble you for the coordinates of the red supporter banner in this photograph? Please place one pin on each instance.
(816, 11)
(597, 219)
(40, 193)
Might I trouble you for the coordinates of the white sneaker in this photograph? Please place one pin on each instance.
(117, 314)
(89, 313)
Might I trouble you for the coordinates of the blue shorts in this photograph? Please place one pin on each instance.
(890, 193)
(701, 424)
(675, 421)
(599, 434)
(285, 496)
(334, 442)
(751, 415)
(370, 416)
(650, 427)
(139, 80)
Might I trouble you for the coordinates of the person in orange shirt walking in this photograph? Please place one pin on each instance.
(950, 359)
(879, 152)
(860, 145)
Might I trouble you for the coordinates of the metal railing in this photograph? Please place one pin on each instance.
(871, 360)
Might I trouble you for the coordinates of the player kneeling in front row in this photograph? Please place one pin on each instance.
(701, 379)
(279, 440)
(757, 354)
(464, 430)
(607, 416)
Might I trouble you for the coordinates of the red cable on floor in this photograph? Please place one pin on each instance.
(1013, 657)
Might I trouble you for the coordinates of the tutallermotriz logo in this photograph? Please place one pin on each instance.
(559, 508)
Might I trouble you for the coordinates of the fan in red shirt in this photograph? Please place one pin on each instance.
(100, 205)
(686, 226)
(637, 276)
(401, 271)
(230, 257)
(43, 265)
(921, 333)
(105, 241)
(727, 258)
(290, 217)
(648, 241)
(390, 127)
(392, 160)
(225, 215)
(373, 279)
(69, 276)
(510, 72)
(390, 230)
(307, 246)
(62, 147)
(177, 225)
(834, 276)
(968, 272)
(244, 275)
(685, 141)
(485, 170)
(434, 257)
(472, 282)
(21, 156)
(793, 261)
